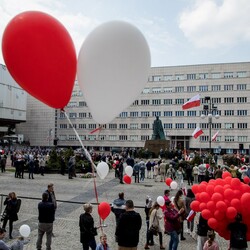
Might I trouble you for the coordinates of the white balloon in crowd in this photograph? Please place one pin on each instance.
(102, 169)
(160, 200)
(129, 170)
(24, 230)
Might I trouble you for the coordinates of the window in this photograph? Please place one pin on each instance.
(72, 137)
(203, 75)
(179, 113)
(241, 86)
(144, 102)
(216, 75)
(204, 125)
(112, 137)
(167, 113)
(72, 115)
(218, 138)
(156, 113)
(102, 137)
(216, 125)
(123, 126)
(134, 137)
(179, 125)
(123, 137)
(92, 126)
(216, 87)
(167, 77)
(73, 125)
(229, 138)
(179, 77)
(136, 103)
(62, 115)
(167, 101)
(241, 99)
(229, 125)
(228, 74)
(92, 137)
(83, 137)
(203, 88)
(112, 126)
(145, 114)
(216, 100)
(90, 116)
(179, 101)
(134, 126)
(63, 126)
(241, 74)
(168, 89)
(82, 104)
(242, 138)
(204, 138)
(191, 76)
(124, 114)
(242, 112)
(62, 137)
(146, 91)
(156, 78)
(191, 113)
(179, 89)
(191, 88)
(80, 93)
(191, 125)
(168, 125)
(228, 112)
(242, 125)
(145, 126)
(82, 126)
(72, 104)
(228, 87)
(82, 115)
(74, 93)
(134, 114)
(156, 90)
(145, 137)
(228, 100)
(156, 102)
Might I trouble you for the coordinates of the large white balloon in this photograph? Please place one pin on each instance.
(160, 200)
(173, 185)
(129, 171)
(114, 59)
(102, 169)
(24, 230)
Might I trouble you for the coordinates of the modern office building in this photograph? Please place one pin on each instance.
(224, 90)
(12, 102)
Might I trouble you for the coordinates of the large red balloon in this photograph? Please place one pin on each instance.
(231, 212)
(212, 222)
(206, 214)
(40, 55)
(221, 206)
(217, 197)
(195, 206)
(104, 210)
(204, 197)
(226, 174)
(168, 181)
(246, 179)
(127, 179)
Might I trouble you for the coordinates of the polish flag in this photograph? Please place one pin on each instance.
(215, 135)
(95, 130)
(197, 132)
(193, 102)
(191, 215)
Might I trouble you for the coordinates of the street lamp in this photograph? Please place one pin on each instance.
(209, 109)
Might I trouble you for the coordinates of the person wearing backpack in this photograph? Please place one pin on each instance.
(238, 234)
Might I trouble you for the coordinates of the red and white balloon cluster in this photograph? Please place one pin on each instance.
(220, 200)
(172, 184)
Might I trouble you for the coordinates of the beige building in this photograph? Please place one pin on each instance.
(226, 86)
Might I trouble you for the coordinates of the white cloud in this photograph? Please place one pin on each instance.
(214, 24)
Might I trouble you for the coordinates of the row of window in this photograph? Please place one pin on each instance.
(197, 76)
(200, 88)
(165, 125)
(227, 138)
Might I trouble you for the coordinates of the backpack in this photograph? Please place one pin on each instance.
(19, 202)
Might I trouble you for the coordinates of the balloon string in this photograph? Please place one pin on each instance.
(93, 166)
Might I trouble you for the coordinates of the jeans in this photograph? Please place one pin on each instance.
(44, 228)
(174, 241)
(90, 243)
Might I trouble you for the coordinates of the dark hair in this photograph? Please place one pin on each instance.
(211, 237)
(2, 230)
(154, 207)
(45, 196)
(168, 202)
(129, 204)
(166, 191)
(177, 196)
(190, 193)
(121, 196)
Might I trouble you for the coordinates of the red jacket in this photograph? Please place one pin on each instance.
(172, 222)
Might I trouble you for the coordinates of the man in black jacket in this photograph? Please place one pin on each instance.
(128, 228)
(46, 218)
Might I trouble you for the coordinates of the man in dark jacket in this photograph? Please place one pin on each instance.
(46, 218)
(128, 228)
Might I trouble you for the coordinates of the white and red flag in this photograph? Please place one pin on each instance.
(215, 135)
(193, 102)
(197, 132)
(191, 215)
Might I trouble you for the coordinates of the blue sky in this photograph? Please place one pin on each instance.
(179, 32)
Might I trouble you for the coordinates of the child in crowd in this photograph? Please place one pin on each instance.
(19, 243)
(103, 245)
(211, 243)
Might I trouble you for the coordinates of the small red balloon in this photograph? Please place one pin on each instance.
(204, 197)
(206, 214)
(221, 206)
(231, 212)
(195, 188)
(212, 222)
(235, 183)
(217, 197)
(127, 179)
(104, 210)
(202, 206)
(226, 174)
(195, 206)
(246, 179)
(236, 204)
(168, 181)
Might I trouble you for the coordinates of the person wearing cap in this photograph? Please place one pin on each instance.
(3, 246)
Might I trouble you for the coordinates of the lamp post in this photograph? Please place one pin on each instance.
(209, 109)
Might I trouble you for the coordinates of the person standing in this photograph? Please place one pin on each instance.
(211, 243)
(42, 165)
(121, 168)
(202, 230)
(11, 212)
(3, 160)
(189, 171)
(148, 166)
(118, 207)
(149, 236)
(201, 172)
(87, 229)
(142, 170)
(46, 217)
(31, 167)
(162, 170)
(128, 228)
(136, 170)
(71, 166)
(195, 173)
(51, 193)
(189, 198)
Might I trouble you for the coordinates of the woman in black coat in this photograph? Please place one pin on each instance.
(87, 229)
(11, 212)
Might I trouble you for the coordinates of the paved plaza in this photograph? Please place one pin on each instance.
(77, 191)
